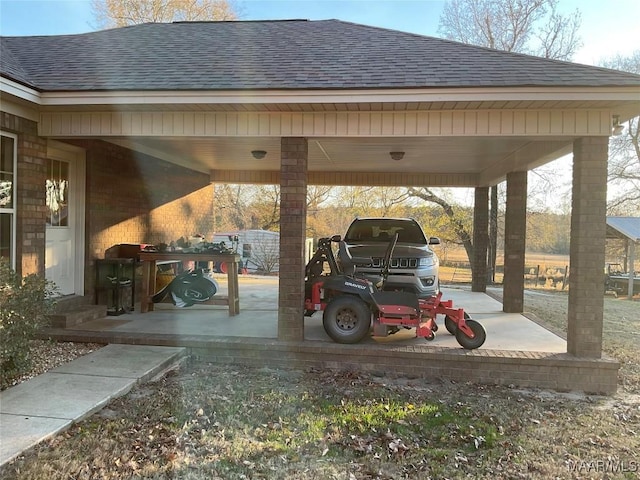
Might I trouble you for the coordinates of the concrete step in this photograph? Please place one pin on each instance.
(77, 314)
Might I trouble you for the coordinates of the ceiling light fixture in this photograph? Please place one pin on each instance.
(258, 154)
(397, 155)
(617, 127)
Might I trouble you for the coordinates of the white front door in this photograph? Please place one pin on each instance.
(64, 262)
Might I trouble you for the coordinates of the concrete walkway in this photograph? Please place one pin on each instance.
(50, 403)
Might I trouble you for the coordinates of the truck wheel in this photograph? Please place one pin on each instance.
(347, 319)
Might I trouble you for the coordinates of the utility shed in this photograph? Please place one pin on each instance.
(628, 229)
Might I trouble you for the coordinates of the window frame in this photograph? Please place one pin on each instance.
(13, 211)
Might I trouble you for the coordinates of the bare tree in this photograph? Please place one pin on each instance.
(231, 207)
(524, 26)
(455, 219)
(121, 13)
(265, 205)
(624, 152)
(317, 195)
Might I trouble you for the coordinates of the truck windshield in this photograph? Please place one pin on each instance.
(382, 230)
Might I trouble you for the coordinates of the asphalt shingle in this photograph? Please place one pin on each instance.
(294, 54)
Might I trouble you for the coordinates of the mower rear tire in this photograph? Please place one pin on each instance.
(347, 319)
(480, 335)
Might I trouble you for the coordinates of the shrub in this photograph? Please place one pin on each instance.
(25, 304)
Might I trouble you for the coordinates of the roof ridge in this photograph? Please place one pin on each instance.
(276, 20)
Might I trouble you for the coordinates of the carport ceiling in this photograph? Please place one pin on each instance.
(453, 155)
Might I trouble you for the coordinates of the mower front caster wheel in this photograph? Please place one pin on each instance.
(451, 325)
(347, 319)
(431, 337)
(480, 335)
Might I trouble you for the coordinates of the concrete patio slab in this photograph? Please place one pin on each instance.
(258, 318)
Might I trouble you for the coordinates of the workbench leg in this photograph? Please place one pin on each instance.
(232, 281)
(148, 285)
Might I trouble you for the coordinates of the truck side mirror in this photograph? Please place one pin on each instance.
(434, 241)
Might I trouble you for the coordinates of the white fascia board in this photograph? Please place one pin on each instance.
(341, 96)
(18, 90)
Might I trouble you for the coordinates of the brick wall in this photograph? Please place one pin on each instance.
(562, 372)
(135, 198)
(30, 198)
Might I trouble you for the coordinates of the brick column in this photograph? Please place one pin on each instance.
(293, 212)
(480, 240)
(588, 232)
(515, 229)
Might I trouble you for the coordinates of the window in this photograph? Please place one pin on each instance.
(57, 196)
(246, 250)
(8, 159)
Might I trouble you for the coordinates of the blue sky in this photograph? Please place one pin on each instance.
(608, 27)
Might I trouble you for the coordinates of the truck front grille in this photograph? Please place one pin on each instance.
(402, 262)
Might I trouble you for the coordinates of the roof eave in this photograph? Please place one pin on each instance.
(19, 90)
(428, 94)
(61, 99)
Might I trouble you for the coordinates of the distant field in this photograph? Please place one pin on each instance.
(458, 254)
(455, 266)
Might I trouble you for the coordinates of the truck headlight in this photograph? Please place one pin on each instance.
(426, 262)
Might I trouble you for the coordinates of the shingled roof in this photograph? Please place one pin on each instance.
(293, 54)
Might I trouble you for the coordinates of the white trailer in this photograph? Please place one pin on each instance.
(259, 250)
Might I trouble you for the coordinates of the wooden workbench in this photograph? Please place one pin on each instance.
(150, 259)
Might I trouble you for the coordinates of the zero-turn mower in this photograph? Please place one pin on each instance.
(350, 303)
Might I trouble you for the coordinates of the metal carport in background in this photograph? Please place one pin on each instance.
(628, 229)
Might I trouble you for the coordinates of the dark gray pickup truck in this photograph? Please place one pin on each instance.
(414, 265)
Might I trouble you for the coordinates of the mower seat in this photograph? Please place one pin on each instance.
(348, 263)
